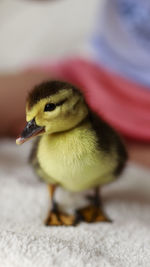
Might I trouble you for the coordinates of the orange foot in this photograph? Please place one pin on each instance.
(92, 214)
(57, 218)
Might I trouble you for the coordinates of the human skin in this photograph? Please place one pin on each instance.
(139, 152)
(13, 92)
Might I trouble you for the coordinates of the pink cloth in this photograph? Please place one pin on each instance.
(122, 103)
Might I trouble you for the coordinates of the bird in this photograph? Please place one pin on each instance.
(74, 148)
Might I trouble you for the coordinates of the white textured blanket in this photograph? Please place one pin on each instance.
(25, 241)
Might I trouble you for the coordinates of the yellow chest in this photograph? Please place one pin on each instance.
(72, 159)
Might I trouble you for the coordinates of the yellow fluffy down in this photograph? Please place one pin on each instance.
(73, 161)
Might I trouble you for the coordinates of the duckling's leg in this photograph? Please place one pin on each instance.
(94, 212)
(52, 218)
(56, 217)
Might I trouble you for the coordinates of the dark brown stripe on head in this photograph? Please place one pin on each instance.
(47, 89)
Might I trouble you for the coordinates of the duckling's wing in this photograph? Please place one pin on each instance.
(33, 160)
(107, 139)
(33, 154)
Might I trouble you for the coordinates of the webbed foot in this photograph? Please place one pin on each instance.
(57, 218)
(92, 213)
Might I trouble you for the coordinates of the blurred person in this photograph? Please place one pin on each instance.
(113, 72)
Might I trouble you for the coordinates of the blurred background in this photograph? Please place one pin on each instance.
(40, 30)
(117, 77)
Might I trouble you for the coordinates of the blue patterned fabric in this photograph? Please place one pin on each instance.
(136, 15)
(121, 39)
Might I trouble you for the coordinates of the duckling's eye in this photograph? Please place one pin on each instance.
(49, 107)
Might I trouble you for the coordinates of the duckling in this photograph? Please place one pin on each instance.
(75, 149)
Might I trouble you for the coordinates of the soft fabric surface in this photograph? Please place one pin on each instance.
(25, 241)
(121, 39)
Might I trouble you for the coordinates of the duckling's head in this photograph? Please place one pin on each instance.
(52, 107)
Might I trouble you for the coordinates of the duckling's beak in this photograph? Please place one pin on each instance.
(31, 130)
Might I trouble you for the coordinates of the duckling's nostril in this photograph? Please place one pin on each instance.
(31, 124)
(30, 129)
